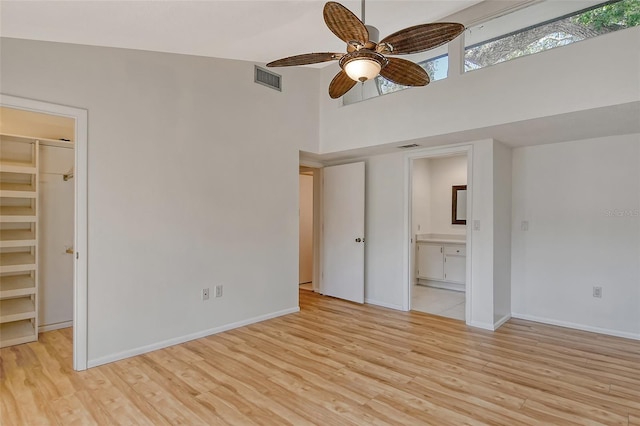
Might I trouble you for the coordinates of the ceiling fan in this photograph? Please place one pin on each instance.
(366, 57)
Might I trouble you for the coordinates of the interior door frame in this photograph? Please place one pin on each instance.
(316, 170)
(408, 185)
(80, 277)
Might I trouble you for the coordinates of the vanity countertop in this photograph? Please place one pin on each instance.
(441, 238)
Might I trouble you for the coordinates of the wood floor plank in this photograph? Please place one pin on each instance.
(575, 412)
(136, 402)
(336, 363)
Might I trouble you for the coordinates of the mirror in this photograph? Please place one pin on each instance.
(459, 205)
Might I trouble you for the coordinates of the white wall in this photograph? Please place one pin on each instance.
(480, 289)
(582, 202)
(554, 82)
(421, 197)
(385, 228)
(56, 233)
(305, 272)
(172, 208)
(432, 181)
(502, 176)
(445, 172)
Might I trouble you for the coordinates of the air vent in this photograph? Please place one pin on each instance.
(411, 145)
(268, 78)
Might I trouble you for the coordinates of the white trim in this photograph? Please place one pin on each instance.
(384, 304)
(566, 324)
(317, 229)
(80, 332)
(463, 148)
(482, 325)
(469, 247)
(177, 340)
(441, 284)
(56, 326)
(501, 321)
(311, 163)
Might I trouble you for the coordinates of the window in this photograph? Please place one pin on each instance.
(437, 69)
(435, 62)
(565, 28)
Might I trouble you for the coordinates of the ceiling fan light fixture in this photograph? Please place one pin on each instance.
(362, 69)
(362, 65)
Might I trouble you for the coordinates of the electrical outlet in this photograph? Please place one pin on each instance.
(476, 225)
(218, 291)
(205, 294)
(597, 292)
(524, 226)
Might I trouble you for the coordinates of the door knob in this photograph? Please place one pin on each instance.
(358, 240)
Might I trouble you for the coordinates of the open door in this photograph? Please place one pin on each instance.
(343, 235)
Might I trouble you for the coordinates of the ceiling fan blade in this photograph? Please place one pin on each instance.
(305, 59)
(340, 85)
(343, 23)
(421, 37)
(404, 72)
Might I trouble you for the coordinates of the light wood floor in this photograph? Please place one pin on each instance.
(336, 363)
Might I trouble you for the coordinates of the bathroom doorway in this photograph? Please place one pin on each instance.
(439, 235)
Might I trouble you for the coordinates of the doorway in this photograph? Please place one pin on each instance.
(64, 156)
(305, 263)
(310, 203)
(438, 234)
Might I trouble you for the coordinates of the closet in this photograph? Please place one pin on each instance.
(18, 240)
(36, 224)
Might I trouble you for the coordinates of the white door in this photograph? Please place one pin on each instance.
(343, 234)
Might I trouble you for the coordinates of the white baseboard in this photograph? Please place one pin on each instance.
(609, 332)
(482, 325)
(501, 321)
(177, 340)
(384, 304)
(441, 284)
(56, 326)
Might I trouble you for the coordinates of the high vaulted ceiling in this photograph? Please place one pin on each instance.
(258, 31)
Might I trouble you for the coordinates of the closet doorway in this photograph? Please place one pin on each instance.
(44, 217)
(439, 235)
(309, 233)
(43, 280)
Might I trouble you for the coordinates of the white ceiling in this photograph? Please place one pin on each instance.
(258, 31)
